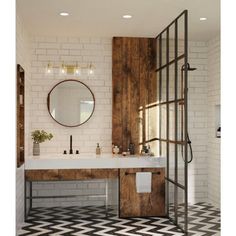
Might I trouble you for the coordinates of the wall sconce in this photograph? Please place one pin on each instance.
(74, 69)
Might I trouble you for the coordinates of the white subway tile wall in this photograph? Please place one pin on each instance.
(213, 149)
(197, 121)
(22, 58)
(72, 50)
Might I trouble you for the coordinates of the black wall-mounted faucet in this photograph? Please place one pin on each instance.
(71, 150)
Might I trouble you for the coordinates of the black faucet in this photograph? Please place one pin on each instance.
(71, 150)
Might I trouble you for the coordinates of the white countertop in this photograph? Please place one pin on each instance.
(91, 161)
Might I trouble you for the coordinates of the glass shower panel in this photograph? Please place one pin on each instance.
(154, 146)
(172, 161)
(158, 89)
(172, 42)
(164, 120)
(164, 48)
(172, 121)
(171, 82)
(181, 207)
(171, 199)
(152, 114)
(163, 85)
(158, 50)
(181, 31)
(181, 73)
(180, 121)
(163, 149)
(172, 124)
(181, 165)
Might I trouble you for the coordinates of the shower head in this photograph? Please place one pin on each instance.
(188, 67)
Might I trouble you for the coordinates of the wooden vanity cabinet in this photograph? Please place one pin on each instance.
(70, 174)
(133, 204)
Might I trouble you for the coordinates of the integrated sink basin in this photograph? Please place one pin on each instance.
(91, 161)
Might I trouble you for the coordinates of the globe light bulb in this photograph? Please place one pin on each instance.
(77, 70)
(49, 69)
(90, 70)
(63, 69)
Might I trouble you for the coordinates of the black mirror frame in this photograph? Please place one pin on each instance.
(48, 101)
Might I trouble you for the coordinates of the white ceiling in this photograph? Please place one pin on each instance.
(103, 18)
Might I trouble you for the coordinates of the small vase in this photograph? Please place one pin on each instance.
(36, 149)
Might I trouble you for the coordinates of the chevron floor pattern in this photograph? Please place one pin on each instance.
(204, 220)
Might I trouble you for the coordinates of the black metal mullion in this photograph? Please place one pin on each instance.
(160, 90)
(186, 119)
(167, 120)
(170, 63)
(176, 123)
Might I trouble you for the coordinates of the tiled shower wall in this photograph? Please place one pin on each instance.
(213, 150)
(197, 121)
(22, 58)
(98, 129)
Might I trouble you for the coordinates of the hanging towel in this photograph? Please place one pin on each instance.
(143, 182)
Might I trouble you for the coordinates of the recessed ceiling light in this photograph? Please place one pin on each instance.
(127, 16)
(64, 14)
(203, 18)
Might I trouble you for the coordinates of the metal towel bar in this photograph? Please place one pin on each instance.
(155, 173)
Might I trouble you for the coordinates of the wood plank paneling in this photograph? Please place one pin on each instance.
(133, 204)
(117, 76)
(134, 86)
(20, 115)
(43, 175)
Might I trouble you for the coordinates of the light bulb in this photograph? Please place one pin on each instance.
(77, 70)
(63, 69)
(90, 70)
(49, 69)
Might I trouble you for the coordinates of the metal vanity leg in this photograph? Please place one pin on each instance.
(106, 190)
(25, 201)
(30, 195)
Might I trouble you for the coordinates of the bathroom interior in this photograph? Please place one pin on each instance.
(118, 117)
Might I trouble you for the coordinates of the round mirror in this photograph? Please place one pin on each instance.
(71, 103)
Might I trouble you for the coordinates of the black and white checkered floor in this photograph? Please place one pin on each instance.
(204, 220)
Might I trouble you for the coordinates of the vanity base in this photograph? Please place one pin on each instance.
(133, 204)
(29, 196)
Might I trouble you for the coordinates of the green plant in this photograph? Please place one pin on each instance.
(40, 136)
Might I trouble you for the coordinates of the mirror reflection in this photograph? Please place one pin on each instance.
(71, 103)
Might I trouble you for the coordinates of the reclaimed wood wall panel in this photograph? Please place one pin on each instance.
(117, 91)
(133, 204)
(20, 116)
(44, 175)
(133, 86)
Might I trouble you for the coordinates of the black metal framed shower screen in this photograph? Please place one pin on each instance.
(172, 109)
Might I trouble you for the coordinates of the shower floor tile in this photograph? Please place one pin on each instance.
(204, 220)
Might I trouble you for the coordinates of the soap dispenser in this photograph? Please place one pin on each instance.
(98, 149)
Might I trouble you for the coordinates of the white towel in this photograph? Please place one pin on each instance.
(143, 182)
